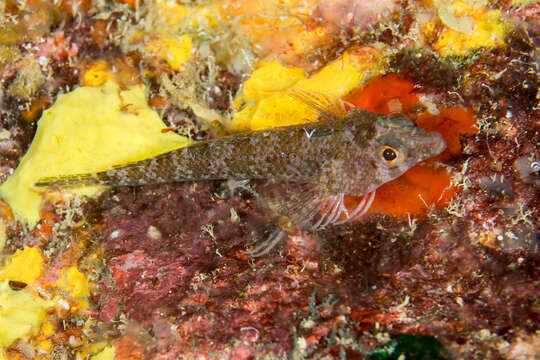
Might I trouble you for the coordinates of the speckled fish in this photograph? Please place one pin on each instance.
(350, 151)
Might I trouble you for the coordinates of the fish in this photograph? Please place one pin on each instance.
(308, 168)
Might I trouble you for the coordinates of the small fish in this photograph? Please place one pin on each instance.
(350, 151)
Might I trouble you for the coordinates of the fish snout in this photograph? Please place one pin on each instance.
(434, 143)
(438, 142)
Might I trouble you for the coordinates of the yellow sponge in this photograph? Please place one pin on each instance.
(75, 284)
(174, 50)
(264, 102)
(25, 266)
(486, 30)
(21, 313)
(105, 354)
(87, 130)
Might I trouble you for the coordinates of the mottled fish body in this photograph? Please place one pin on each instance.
(289, 153)
(351, 151)
(343, 155)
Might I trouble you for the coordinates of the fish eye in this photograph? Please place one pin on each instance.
(391, 155)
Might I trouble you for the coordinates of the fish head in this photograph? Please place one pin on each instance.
(384, 150)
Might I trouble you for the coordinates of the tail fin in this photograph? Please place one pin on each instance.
(120, 175)
(74, 180)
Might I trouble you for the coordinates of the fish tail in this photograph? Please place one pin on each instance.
(73, 180)
(130, 174)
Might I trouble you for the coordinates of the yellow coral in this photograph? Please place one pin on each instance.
(471, 26)
(25, 266)
(264, 102)
(87, 130)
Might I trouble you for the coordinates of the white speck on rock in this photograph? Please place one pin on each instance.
(153, 233)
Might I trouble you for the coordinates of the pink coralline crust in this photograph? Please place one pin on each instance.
(303, 247)
(192, 284)
(356, 14)
(203, 285)
(525, 347)
(442, 285)
(147, 279)
(241, 353)
(109, 309)
(530, 10)
(57, 46)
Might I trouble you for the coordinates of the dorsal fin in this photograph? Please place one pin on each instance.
(324, 105)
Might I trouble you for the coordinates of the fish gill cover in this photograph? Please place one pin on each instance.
(443, 258)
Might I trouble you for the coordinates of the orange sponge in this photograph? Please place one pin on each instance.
(424, 185)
